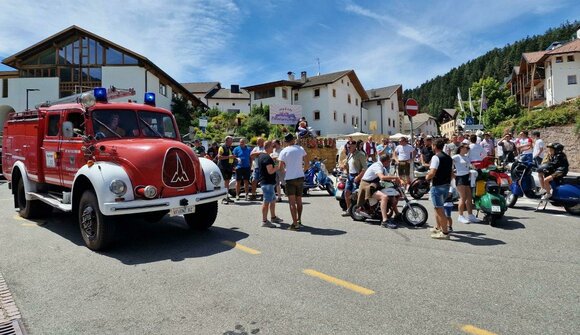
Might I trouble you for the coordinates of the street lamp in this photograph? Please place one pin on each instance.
(29, 90)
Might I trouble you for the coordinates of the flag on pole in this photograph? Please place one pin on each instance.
(459, 99)
(471, 108)
(483, 100)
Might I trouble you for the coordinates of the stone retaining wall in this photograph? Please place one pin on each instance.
(566, 136)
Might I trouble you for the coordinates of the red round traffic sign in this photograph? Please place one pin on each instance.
(412, 107)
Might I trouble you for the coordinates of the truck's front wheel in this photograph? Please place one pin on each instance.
(204, 216)
(30, 209)
(97, 229)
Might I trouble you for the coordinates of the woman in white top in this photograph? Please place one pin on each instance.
(462, 165)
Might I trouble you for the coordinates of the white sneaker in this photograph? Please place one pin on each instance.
(434, 230)
(546, 196)
(473, 219)
(463, 219)
(542, 191)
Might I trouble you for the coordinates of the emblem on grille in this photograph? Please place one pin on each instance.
(178, 169)
(179, 175)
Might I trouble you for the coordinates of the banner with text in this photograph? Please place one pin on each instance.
(285, 114)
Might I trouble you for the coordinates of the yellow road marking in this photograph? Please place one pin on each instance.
(339, 282)
(241, 247)
(476, 331)
(18, 217)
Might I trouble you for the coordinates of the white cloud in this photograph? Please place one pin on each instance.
(181, 37)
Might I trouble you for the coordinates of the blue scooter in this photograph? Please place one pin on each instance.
(524, 181)
(317, 177)
(565, 194)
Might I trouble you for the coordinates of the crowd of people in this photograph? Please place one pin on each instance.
(449, 162)
(367, 163)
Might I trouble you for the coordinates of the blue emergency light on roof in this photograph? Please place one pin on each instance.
(149, 99)
(100, 94)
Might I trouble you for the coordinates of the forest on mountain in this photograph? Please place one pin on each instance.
(441, 91)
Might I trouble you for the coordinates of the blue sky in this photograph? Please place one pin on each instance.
(254, 41)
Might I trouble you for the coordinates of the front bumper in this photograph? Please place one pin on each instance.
(163, 204)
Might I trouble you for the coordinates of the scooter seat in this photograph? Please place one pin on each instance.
(571, 180)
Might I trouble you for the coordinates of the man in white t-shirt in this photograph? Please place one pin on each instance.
(539, 148)
(292, 160)
(404, 156)
(524, 144)
(258, 149)
(371, 179)
(476, 151)
(488, 144)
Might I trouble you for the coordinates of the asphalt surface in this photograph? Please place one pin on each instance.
(335, 276)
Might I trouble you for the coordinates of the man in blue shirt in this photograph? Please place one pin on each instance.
(242, 153)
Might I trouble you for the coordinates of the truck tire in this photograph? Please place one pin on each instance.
(30, 209)
(204, 216)
(97, 229)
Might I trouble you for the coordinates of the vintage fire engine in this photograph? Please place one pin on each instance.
(105, 161)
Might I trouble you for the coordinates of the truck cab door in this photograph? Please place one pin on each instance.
(72, 158)
(50, 148)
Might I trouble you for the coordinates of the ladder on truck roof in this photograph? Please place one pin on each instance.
(112, 93)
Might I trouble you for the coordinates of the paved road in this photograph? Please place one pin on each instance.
(335, 276)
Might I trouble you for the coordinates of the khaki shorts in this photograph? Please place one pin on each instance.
(295, 187)
(404, 168)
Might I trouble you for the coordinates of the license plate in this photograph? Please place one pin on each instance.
(495, 209)
(182, 210)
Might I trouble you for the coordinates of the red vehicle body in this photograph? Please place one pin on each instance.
(75, 157)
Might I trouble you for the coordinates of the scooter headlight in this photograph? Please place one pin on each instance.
(215, 178)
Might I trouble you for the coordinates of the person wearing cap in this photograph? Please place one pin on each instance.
(404, 156)
(292, 160)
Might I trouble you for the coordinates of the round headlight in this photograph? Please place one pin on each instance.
(88, 100)
(118, 187)
(216, 178)
(150, 191)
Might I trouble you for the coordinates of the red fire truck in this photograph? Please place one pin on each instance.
(105, 161)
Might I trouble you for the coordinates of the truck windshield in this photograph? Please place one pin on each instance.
(110, 123)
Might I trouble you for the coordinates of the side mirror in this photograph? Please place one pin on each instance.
(67, 129)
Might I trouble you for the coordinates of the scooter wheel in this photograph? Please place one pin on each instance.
(511, 199)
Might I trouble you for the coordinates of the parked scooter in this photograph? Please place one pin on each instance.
(317, 177)
(487, 197)
(565, 194)
(339, 194)
(525, 181)
(413, 213)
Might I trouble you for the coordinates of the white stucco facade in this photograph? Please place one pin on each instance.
(16, 98)
(326, 107)
(121, 77)
(562, 78)
(229, 105)
(389, 108)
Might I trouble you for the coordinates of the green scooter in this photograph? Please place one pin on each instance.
(487, 197)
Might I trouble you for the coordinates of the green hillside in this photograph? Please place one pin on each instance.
(441, 91)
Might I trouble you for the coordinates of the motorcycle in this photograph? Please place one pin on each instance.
(413, 214)
(525, 181)
(487, 197)
(565, 194)
(419, 186)
(317, 177)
